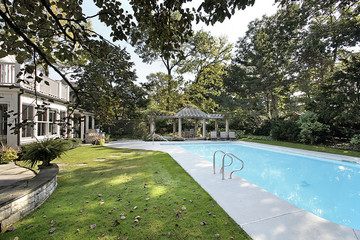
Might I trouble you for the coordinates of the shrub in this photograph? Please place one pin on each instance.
(264, 129)
(239, 134)
(75, 142)
(355, 140)
(107, 138)
(312, 131)
(140, 130)
(70, 143)
(255, 137)
(285, 130)
(45, 151)
(8, 154)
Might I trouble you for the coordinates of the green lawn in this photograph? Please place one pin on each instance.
(132, 194)
(306, 147)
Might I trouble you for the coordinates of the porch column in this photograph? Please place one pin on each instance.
(36, 125)
(82, 128)
(72, 126)
(227, 127)
(57, 120)
(86, 124)
(216, 125)
(152, 125)
(66, 125)
(180, 125)
(204, 128)
(92, 122)
(47, 125)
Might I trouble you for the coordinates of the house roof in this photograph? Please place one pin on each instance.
(8, 59)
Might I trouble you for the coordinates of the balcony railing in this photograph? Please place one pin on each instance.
(7, 73)
(47, 86)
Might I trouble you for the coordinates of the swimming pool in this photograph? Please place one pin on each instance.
(327, 188)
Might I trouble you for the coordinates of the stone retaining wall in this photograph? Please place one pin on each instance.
(26, 196)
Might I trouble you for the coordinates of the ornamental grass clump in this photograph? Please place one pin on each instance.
(8, 154)
(43, 151)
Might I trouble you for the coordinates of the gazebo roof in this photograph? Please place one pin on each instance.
(190, 112)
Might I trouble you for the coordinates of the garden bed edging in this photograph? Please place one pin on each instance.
(26, 196)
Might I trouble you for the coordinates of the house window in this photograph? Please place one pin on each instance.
(42, 123)
(27, 120)
(52, 122)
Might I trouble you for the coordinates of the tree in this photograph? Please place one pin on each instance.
(58, 30)
(338, 101)
(331, 27)
(49, 32)
(168, 26)
(206, 59)
(153, 44)
(44, 32)
(164, 92)
(289, 63)
(107, 86)
(263, 65)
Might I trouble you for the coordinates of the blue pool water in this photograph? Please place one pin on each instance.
(327, 188)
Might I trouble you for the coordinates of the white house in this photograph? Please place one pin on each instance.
(18, 105)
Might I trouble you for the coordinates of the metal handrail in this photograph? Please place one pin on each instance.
(231, 162)
(153, 137)
(223, 164)
(214, 158)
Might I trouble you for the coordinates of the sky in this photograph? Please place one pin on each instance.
(232, 28)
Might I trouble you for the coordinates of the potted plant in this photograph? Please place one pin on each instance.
(43, 151)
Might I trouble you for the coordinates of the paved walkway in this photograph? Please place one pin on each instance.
(261, 214)
(11, 175)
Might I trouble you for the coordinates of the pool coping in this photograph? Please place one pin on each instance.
(260, 213)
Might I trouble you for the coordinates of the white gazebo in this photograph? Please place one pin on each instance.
(192, 113)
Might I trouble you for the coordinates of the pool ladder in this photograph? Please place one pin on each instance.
(231, 156)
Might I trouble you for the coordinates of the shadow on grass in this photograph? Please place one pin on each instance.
(139, 196)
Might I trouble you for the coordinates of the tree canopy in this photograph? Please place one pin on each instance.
(53, 31)
(299, 60)
(107, 86)
(58, 34)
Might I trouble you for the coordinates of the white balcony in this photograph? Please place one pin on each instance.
(47, 86)
(7, 73)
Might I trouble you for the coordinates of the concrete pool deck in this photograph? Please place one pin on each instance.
(261, 214)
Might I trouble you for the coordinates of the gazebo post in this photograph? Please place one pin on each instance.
(204, 128)
(152, 125)
(174, 127)
(196, 127)
(180, 125)
(216, 125)
(227, 127)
